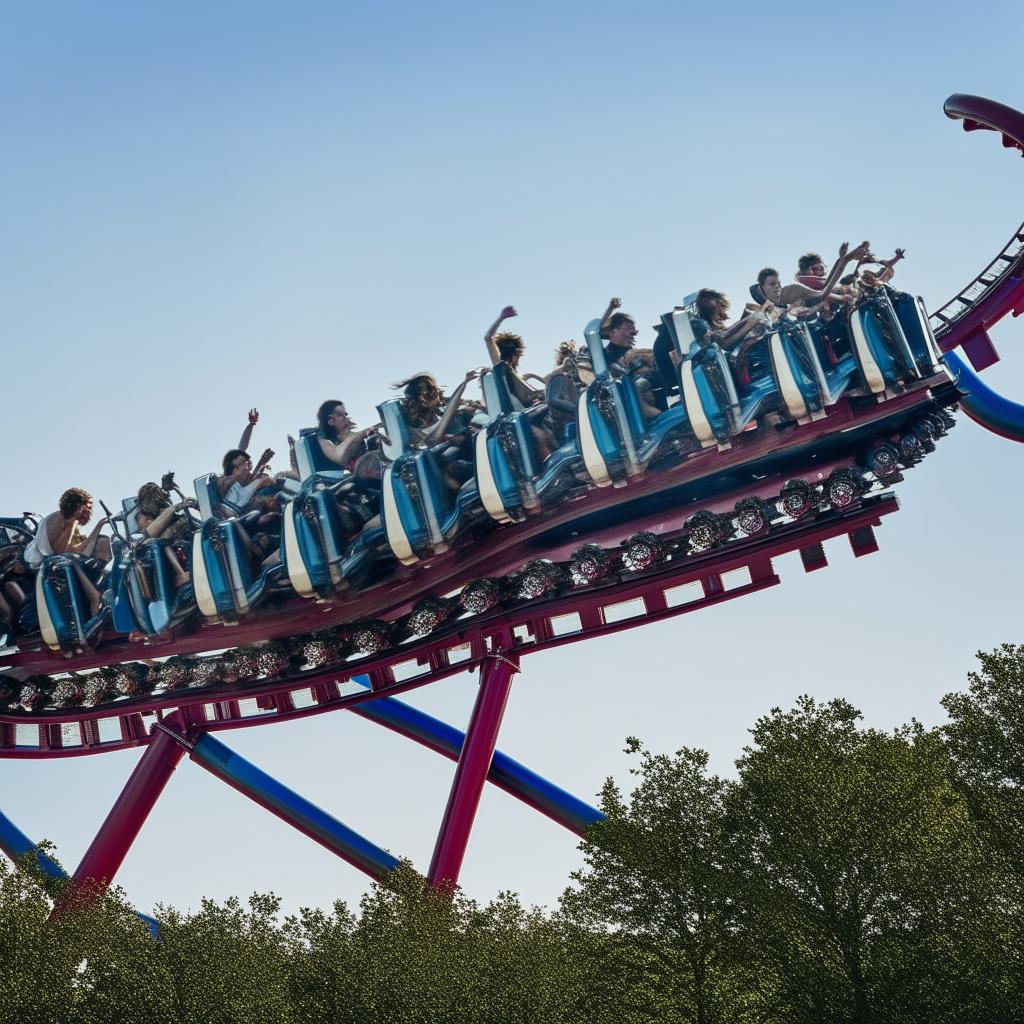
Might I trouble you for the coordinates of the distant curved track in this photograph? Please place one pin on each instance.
(964, 321)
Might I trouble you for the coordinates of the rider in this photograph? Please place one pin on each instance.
(619, 331)
(60, 533)
(157, 516)
(347, 447)
(562, 392)
(240, 483)
(812, 288)
(436, 421)
(506, 347)
(339, 441)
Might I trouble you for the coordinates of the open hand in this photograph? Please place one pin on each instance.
(863, 250)
(254, 417)
(508, 312)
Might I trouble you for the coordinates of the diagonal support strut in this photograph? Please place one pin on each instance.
(471, 772)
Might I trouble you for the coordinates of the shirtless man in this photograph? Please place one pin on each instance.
(812, 287)
(60, 533)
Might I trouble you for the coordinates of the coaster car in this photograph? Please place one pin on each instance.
(510, 477)
(146, 598)
(228, 575)
(833, 373)
(55, 604)
(421, 513)
(892, 341)
(323, 549)
(715, 408)
(615, 441)
(17, 607)
(66, 622)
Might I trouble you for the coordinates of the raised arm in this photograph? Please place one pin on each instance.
(889, 266)
(440, 428)
(254, 418)
(613, 304)
(268, 454)
(797, 292)
(492, 348)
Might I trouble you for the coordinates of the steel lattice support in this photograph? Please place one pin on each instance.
(471, 771)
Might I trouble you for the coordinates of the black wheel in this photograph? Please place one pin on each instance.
(588, 565)
(884, 461)
(843, 488)
(911, 449)
(798, 499)
(704, 531)
(642, 551)
(752, 517)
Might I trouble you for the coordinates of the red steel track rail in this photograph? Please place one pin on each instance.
(999, 289)
(673, 588)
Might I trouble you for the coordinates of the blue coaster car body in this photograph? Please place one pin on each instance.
(798, 362)
(420, 513)
(320, 554)
(510, 478)
(913, 318)
(715, 409)
(880, 344)
(834, 373)
(145, 597)
(615, 442)
(62, 605)
(15, 533)
(226, 575)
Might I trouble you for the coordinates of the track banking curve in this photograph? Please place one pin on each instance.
(965, 320)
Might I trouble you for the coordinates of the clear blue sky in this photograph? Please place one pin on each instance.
(207, 207)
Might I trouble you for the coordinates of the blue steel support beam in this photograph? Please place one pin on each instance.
(984, 405)
(288, 805)
(506, 773)
(16, 845)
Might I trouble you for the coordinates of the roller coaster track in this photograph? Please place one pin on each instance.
(672, 589)
(169, 725)
(999, 288)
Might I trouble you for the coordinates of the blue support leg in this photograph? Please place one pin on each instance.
(506, 773)
(16, 845)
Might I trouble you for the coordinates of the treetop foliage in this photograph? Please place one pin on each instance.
(845, 874)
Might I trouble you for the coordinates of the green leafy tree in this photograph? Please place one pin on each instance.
(867, 893)
(986, 740)
(656, 883)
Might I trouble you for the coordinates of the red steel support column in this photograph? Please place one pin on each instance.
(127, 816)
(471, 773)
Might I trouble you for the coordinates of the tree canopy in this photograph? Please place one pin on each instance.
(842, 874)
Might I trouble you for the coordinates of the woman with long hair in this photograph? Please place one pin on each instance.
(426, 410)
(340, 442)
